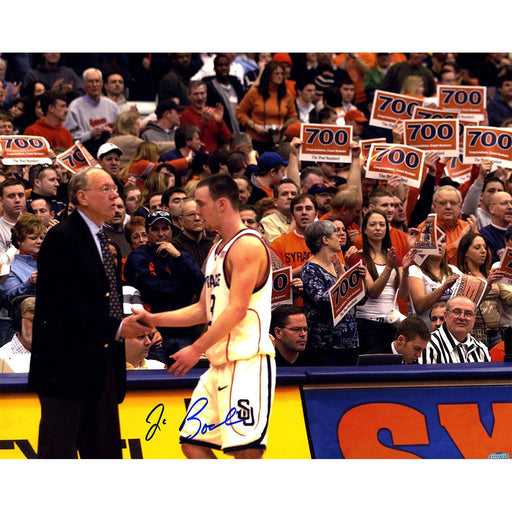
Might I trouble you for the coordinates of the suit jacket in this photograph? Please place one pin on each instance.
(73, 335)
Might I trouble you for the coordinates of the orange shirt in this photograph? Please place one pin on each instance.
(293, 252)
(497, 352)
(291, 249)
(267, 190)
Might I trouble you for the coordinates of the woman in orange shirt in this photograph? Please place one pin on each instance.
(266, 107)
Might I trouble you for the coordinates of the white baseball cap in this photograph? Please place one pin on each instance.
(107, 148)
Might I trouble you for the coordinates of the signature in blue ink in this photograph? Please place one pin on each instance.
(155, 416)
(203, 428)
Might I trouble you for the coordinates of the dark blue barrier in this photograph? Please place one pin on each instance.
(157, 379)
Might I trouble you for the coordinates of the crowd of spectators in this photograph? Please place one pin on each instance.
(240, 114)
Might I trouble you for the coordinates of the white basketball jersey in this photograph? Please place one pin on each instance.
(251, 336)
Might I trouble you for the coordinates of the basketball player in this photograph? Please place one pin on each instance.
(231, 404)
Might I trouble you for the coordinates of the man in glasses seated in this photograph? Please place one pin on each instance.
(289, 329)
(452, 342)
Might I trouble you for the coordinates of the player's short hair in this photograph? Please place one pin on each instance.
(222, 186)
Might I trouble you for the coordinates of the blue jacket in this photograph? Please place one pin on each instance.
(17, 282)
(165, 283)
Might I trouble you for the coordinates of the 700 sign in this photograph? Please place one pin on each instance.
(326, 136)
(325, 143)
(396, 156)
(24, 150)
(486, 142)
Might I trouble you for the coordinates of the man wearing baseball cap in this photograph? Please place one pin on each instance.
(356, 119)
(109, 156)
(167, 279)
(268, 173)
(167, 120)
(323, 195)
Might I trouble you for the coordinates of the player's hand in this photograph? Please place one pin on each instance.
(132, 326)
(184, 360)
(145, 318)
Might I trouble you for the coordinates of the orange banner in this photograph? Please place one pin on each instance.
(76, 157)
(386, 160)
(487, 142)
(282, 292)
(24, 150)
(437, 135)
(467, 99)
(389, 107)
(325, 143)
(346, 292)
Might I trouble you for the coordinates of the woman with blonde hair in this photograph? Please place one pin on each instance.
(145, 161)
(125, 135)
(413, 85)
(156, 183)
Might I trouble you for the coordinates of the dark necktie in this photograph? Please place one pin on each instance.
(115, 306)
(463, 352)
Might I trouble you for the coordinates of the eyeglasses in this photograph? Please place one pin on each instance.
(298, 329)
(446, 203)
(460, 312)
(28, 318)
(107, 189)
(191, 215)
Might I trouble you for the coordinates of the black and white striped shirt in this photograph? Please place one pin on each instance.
(444, 348)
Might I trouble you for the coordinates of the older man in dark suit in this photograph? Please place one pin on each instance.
(78, 362)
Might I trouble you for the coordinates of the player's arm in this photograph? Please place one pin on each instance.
(247, 264)
(188, 316)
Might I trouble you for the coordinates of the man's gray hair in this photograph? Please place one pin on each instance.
(447, 188)
(88, 71)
